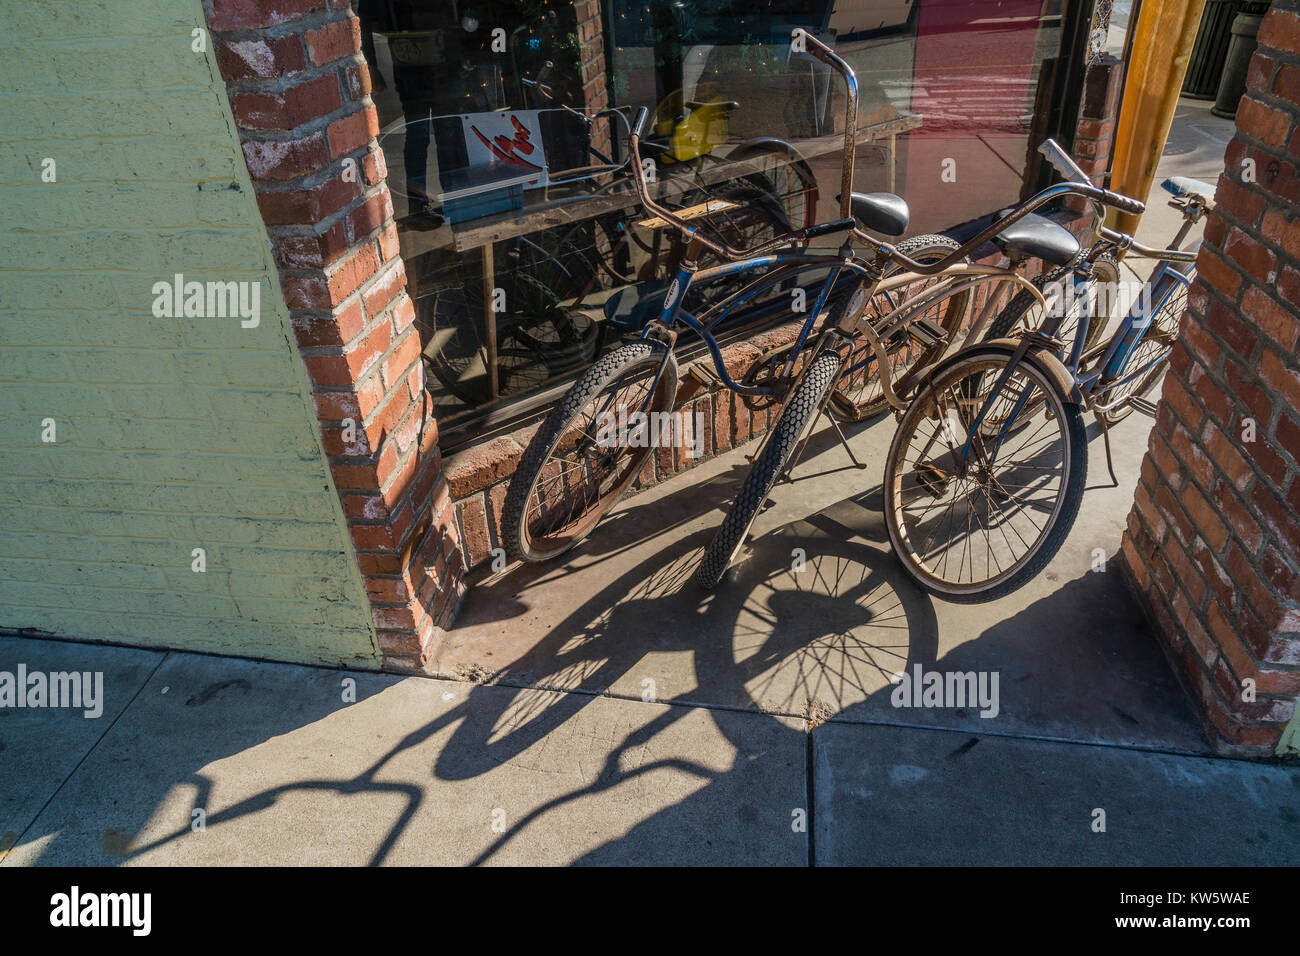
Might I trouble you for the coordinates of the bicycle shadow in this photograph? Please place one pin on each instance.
(811, 626)
(648, 514)
(807, 625)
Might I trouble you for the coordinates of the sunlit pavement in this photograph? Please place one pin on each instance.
(604, 710)
(629, 718)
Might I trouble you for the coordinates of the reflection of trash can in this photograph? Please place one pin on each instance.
(1205, 66)
(1245, 29)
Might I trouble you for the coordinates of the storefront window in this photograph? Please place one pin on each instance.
(504, 125)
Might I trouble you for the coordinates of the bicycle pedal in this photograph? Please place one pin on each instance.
(846, 406)
(702, 374)
(931, 478)
(1144, 406)
(925, 332)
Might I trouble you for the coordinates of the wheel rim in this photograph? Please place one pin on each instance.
(967, 530)
(1156, 343)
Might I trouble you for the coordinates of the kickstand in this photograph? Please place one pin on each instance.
(788, 475)
(844, 441)
(1105, 436)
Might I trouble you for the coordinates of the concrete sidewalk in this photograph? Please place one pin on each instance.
(605, 711)
(212, 761)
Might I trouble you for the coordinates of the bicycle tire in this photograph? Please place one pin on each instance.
(961, 366)
(1105, 270)
(515, 532)
(1173, 308)
(797, 417)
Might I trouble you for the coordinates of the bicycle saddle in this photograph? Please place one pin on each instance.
(1186, 186)
(880, 212)
(1036, 237)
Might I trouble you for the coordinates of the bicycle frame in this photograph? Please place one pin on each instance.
(1112, 367)
(672, 312)
(739, 261)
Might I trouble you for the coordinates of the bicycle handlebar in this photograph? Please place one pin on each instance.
(1068, 168)
(1084, 189)
(1063, 161)
(1121, 202)
(800, 41)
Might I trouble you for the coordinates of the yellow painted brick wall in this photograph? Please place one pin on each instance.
(170, 433)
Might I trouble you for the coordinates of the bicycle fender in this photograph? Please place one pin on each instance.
(761, 143)
(1049, 363)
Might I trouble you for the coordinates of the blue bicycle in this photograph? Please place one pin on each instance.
(986, 472)
(598, 438)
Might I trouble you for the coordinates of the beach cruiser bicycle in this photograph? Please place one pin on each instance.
(987, 469)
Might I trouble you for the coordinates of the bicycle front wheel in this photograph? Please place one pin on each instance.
(588, 451)
(787, 437)
(974, 513)
(1154, 348)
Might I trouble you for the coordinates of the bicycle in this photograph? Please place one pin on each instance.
(1018, 232)
(568, 477)
(1005, 417)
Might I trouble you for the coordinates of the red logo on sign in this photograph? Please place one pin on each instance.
(504, 147)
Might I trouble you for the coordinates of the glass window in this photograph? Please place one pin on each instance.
(504, 125)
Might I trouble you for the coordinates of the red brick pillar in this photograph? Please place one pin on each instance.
(595, 92)
(1094, 134)
(1213, 541)
(299, 90)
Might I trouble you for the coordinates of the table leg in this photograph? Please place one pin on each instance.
(490, 321)
(893, 141)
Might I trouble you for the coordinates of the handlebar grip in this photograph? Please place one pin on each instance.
(638, 125)
(822, 229)
(1062, 161)
(1123, 203)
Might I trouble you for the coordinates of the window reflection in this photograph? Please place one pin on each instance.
(503, 123)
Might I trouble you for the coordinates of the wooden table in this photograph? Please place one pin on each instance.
(544, 210)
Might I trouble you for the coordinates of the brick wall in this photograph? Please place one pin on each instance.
(595, 86)
(166, 433)
(1094, 134)
(1213, 541)
(299, 89)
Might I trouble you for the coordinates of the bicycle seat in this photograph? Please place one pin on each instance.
(880, 212)
(1036, 237)
(1186, 186)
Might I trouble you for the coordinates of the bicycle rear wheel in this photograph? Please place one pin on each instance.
(975, 528)
(1024, 311)
(588, 451)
